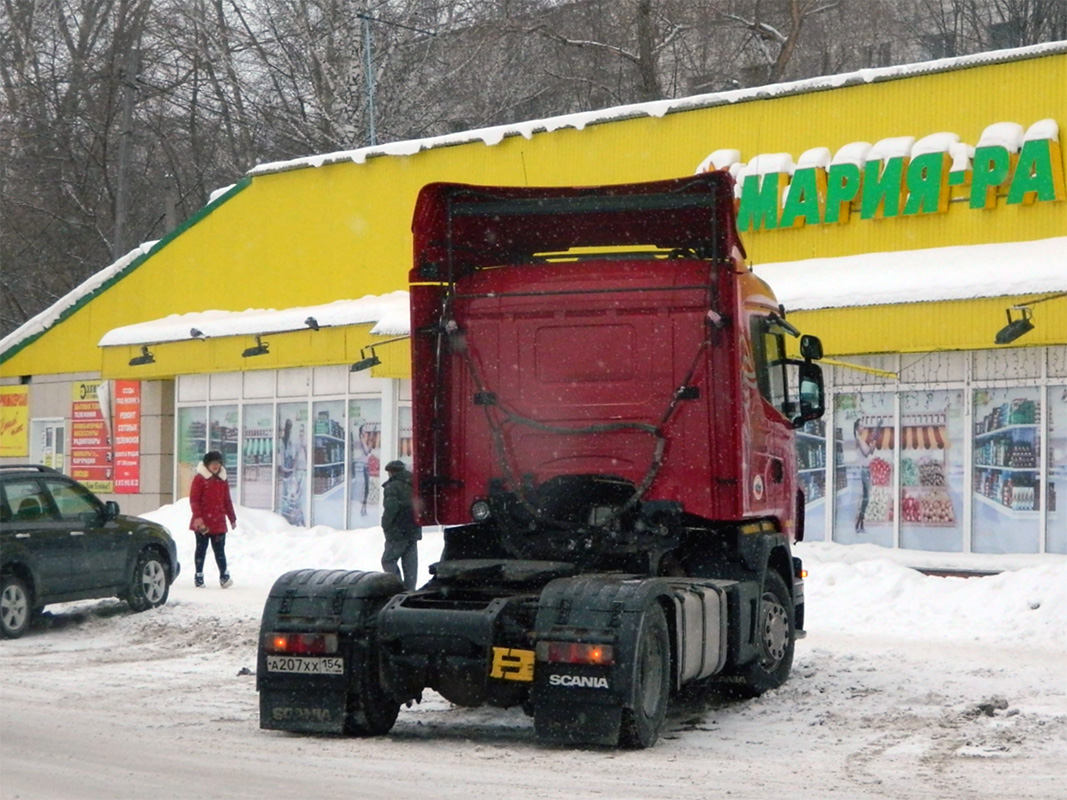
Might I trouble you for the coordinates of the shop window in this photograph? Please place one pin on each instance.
(405, 442)
(365, 455)
(1005, 515)
(1057, 362)
(328, 463)
(1014, 363)
(192, 388)
(291, 463)
(222, 436)
(225, 386)
(931, 445)
(294, 382)
(192, 444)
(865, 437)
(329, 380)
(259, 384)
(853, 377)
(811, 469)
(933, 368)
(1056, 469)
(47, 440)
(257, 452)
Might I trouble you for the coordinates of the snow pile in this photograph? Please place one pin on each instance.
(854, 590)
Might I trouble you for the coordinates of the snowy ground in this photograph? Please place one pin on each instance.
(906, 687)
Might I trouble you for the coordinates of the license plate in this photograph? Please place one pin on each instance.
(306, 666)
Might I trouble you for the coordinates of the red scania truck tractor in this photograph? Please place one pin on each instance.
(604, 411)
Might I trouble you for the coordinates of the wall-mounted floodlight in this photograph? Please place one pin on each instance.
(312, 323)
(372, 360)
(146, 357)
(1017, 327)
(261, 348)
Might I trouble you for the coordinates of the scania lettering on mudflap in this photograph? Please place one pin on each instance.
(297, 714)
(583, 681)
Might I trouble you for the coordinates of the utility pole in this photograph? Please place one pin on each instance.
(368, 65)
(129, 89)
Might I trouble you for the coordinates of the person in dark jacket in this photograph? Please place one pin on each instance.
(210, 501)
(398, 521)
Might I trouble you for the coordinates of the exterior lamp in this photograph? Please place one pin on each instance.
(1017, 327)
(261, 348)
(146, 357)
(372, 360)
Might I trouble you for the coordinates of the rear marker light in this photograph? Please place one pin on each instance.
(575, 653)
(312, 644)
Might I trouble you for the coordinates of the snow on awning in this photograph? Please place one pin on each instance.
(916, 276)
(389, 312)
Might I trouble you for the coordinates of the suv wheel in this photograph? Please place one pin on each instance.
(15, 607)
(149, 585)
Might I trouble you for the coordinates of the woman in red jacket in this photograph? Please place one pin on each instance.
(210, 501)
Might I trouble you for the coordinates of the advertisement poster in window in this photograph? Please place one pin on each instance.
(328, 464)
(405, 443)
(864, 505)
(1005, 512)
(365, 454)
(258, 451)
(14, 421)
(223, 437)
(292, 462)
(192, 444)
(90, 438)
(931, 470)
(1056, 515)
(127, 437)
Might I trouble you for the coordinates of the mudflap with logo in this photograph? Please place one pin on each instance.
(327, 620)
(583, 703)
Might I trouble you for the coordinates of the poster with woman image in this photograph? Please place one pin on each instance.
(292, 462)
(864, 506)
(365, 447)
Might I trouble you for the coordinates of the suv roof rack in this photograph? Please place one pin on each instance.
(26, 468)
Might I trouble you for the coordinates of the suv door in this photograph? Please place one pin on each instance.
(51, 553)
(100, 560)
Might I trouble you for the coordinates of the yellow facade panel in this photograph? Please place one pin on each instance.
(311, 235)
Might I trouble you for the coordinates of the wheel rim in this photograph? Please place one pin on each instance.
(651, 680)
(153, 581)
(14, 608)
(774, 631)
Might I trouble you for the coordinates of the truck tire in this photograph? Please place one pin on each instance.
(370, 711)
(641, 724)
(775, 640)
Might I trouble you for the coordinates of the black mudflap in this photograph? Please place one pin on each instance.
(312, 693)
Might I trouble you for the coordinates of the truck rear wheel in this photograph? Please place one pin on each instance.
(775, 639)
(641, 724)
(370, 710)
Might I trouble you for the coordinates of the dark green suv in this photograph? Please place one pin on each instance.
(59, 542)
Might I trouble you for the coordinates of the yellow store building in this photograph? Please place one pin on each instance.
(914, 217)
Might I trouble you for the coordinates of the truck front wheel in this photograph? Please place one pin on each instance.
(641, 724)
(775, 639)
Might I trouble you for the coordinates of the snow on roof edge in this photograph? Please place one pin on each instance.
(389, 312)
(42, 321)
(658, 108)
(961, 272)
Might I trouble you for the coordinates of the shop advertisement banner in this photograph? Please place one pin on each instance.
(14, 421)
(90, 441)
(127, 437)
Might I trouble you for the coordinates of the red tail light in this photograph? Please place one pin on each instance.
(311, 644)
(575, 653)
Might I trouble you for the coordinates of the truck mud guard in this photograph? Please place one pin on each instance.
(317, 668)
(597, 658)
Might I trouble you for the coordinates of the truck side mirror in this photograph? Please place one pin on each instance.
(811, 347)
(812, 393)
